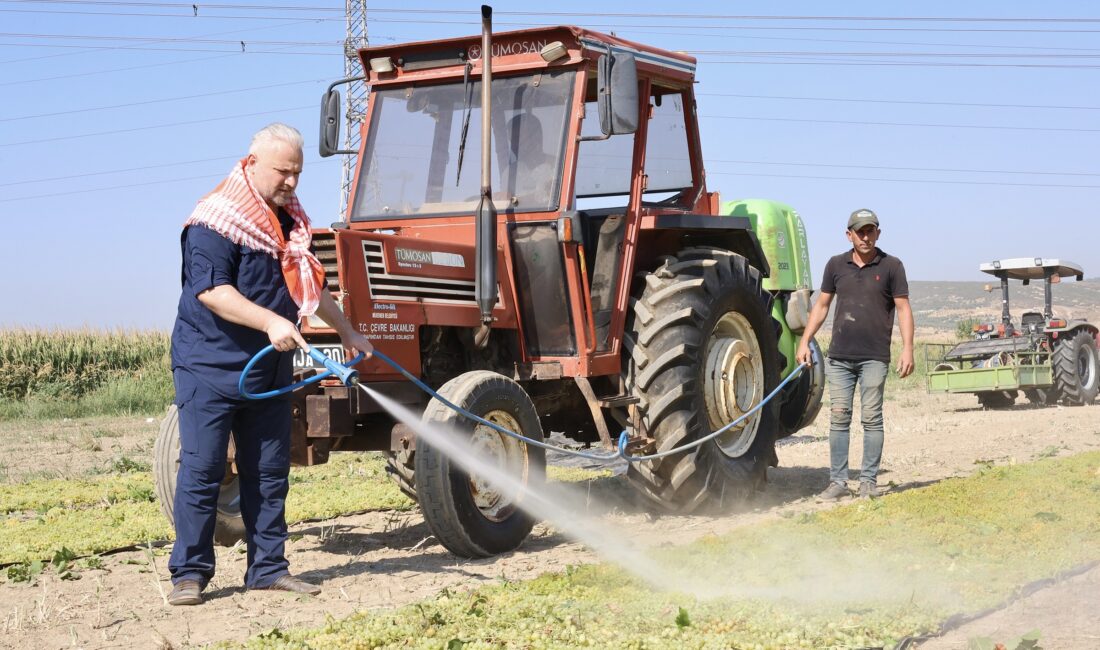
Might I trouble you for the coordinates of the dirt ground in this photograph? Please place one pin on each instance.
(387, 559)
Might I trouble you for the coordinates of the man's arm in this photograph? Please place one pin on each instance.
(330, 312)
(905, 322)
(818, 313)
(228, 303)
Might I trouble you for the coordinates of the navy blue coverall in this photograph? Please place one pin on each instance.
(208, 355)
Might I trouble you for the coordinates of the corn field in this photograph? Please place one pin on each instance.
(70, 364)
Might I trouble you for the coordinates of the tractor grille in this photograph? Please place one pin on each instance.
(324, 247)
(391, 286)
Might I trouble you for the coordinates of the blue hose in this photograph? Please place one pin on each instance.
(624, 437)
(343, 372)
(350, 377)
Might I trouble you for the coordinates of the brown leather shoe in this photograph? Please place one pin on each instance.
(293, 585)
(186, 592)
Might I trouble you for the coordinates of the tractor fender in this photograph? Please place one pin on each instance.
(732, 233)
(1075, 325)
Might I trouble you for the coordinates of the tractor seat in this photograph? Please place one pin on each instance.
(1032, 321)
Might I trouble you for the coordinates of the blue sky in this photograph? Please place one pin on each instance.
(972, 139)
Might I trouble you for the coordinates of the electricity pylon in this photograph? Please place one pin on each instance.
(355, 107)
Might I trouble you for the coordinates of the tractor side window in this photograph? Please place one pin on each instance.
(603, 166)
(667, 161)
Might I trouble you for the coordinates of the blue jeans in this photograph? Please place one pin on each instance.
(843, 376)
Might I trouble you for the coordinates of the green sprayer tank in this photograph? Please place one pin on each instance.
(782, 237)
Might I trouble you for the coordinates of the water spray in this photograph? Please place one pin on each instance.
(549, 503)
(829, 575)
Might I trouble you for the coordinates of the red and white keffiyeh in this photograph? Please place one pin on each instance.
(237, 212)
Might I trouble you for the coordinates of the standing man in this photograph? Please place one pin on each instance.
(869, 286)
(248, 274)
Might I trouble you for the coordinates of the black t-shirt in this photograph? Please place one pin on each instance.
(864, 316)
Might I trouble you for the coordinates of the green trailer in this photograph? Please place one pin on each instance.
(1047, 358)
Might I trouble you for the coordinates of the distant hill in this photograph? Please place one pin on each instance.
(939, 306)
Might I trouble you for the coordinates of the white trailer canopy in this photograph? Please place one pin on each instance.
(1032, 268)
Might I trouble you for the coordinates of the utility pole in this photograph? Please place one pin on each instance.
(355, 108)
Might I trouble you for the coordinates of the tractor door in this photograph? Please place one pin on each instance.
(571, 267)
(602, 201)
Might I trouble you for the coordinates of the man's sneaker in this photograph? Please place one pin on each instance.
(868, 490)
(835, 492)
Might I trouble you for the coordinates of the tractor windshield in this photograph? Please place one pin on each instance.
(411, 162)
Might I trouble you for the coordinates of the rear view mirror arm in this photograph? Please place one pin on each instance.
(330, 118)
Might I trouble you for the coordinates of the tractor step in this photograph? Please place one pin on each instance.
(616, 401)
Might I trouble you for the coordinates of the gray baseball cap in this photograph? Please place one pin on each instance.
(862, 217)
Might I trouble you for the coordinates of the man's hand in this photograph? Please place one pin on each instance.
(905, 364)
(803, 355)
(357, 343)
(283, 334)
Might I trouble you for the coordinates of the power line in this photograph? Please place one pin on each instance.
(905, 180)
(908, 124)
(983, 55)
(159, 101)
(118, 171)
(239, 48)
(131, 185)
(903, 64)
(709, 173)
(331, 43)
(702, 115)
(661, 15)
(854, 41)
(108, 71)
(613, 26)
(160, 39)
(708, 160)
(897, 101)
(282, 25)
(155, 126)
(912, 169)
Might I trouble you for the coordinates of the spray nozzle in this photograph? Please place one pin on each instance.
(347, 376)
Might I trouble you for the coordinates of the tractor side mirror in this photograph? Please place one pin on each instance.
(617, 78)
(330, 123)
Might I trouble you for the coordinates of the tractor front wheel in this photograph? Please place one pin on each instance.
(702, 352)
(229, 526)
(1075, 367)
(471, 479)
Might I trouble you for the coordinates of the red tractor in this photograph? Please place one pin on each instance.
(580, 278)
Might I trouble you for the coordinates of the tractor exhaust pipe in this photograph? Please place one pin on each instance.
(485, 289)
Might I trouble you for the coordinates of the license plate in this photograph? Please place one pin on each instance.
(302, 360)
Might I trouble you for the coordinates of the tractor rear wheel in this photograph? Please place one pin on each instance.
(997, 399)
(1041, 396)
(1075, 367)
(469, 512)
(701, 352)
(229, 526)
